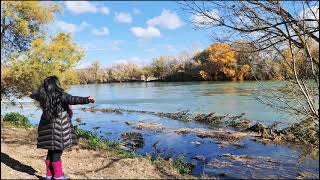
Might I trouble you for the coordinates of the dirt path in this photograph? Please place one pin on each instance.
(20, 159)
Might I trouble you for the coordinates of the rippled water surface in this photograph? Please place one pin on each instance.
(273, 161)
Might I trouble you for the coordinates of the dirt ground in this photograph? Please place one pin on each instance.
(20, 159)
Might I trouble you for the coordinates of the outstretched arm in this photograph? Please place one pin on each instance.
(74, 100)
(35, 94)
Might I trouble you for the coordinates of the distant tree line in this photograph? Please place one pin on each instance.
(218, 62)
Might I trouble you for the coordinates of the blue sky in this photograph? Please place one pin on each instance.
(126, 31)
(112, 32)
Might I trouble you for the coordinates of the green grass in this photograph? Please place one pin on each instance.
(92, 141)
(96, 143)
(15, 119)
(182, 167)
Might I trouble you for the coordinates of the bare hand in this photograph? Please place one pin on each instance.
(91, 100)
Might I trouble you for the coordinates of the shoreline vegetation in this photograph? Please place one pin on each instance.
(298, 133)
(218, 62)
(15, 123)
(229, 131)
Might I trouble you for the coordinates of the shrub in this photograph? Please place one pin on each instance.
(17, 120)
(96, 143)
(179, 164)
(182, 166)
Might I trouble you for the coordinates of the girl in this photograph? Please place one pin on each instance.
(55, 131)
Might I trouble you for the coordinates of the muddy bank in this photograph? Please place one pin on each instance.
(304, 132)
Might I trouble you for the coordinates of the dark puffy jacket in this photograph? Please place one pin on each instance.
(58, 133)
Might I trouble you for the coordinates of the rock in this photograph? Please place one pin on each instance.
(196, 142)
(199, 158)
(241, 124)
(149, 126)
(224, 135)
(307, 175)
(183, 130)
(224, 144)
(129, 123)
(133, 139)
(183, 115)
(240, 158)
(210, 118)
(123, 147)
(218, 164)
(258, 127)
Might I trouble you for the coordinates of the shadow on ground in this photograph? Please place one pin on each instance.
(18, 166)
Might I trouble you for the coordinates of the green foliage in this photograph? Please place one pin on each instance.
(182, 166)
(179, 164)
(22, 22)
(57, 57)
(219, 61)
(16, 120)
(96, 143)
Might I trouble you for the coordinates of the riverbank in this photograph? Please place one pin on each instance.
(303, 133)
(214, 152)
(20, 159)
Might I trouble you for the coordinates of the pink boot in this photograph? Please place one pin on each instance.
(49, 169)
(57, 169)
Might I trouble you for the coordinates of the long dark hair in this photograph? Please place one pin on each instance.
(50, 93)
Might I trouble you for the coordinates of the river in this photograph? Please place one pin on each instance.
(223, 98)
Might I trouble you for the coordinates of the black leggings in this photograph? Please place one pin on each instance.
(54, 155)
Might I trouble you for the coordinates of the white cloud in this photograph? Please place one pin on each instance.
(115, 48)
(66, 27)
(150, 50)
(145, 33)
(78, 7)
(101, 32)
(131, 60)
(167, 19)
(123, 17)
(117, 42)
(105, 10)
(102, 46)
(84, 24)
(200, 20)
(136, 11)
(70, 27)
(171, 48)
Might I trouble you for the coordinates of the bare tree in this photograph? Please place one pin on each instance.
(279, 29)
(94, 69)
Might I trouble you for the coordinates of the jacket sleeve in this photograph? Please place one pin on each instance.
(74, 100)
(35, 94)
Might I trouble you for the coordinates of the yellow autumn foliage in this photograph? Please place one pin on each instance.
(57, 57)
(221, 53)
(22, 22)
